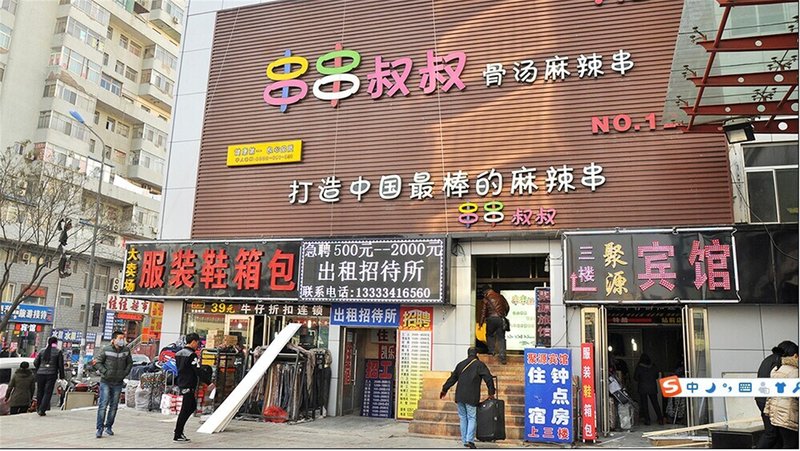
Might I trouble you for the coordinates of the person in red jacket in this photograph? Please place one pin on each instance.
(494, 311)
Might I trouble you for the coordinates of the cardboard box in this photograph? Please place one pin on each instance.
(230, 340)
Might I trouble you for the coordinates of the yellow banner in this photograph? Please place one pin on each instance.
(265, 153)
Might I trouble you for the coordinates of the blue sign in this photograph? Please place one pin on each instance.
(29, 313)
(365, 315)
(73, 335)
(548, 395)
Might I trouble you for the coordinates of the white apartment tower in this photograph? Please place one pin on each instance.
(115, 62)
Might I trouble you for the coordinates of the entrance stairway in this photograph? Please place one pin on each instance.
(440, 417)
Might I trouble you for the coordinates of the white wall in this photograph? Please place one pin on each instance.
(741, 336)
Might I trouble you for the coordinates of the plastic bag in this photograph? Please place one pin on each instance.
(480, 332)
(142, 398)
(130, 393)
(625, 412)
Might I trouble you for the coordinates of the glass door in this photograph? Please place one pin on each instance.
(241, 326)
(696, 358)
(594, 329)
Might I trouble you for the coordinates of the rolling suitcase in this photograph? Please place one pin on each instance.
(491, 419)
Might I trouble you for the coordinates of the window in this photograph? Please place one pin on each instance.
(76, 63)
(123, 41)
(61, 25)
(119, 68)
(2, 72)
(110, 32)
(9, 292)
(135, 48)
(105, 59)
(64, 124)
(9, 5)
(68, 94)
(82, 32)
(65, 299)
(119, 156)
(92, 9)
(83, 314)
(96, 117)
(111, 124)
(772, 176)
(123, 129)
(131, 74)
(110, 84)
(92, 143)
(5, 37)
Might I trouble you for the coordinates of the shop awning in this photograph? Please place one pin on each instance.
(735, 59)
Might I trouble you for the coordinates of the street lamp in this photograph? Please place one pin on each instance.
(90, 284)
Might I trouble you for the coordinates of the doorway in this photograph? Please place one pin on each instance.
(675, 339)
(368, 373)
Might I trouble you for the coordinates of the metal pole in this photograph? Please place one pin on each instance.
(96, 226)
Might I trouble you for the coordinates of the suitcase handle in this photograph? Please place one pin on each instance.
(496, 388)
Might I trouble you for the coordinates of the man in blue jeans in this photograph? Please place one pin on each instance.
(468, 374)
(113, 362)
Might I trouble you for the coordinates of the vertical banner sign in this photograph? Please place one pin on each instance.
(548, 395)
(108, 324)
(588, 401)
(378, 401)
(543, 318)
(416, 342)
(522, 315)
(348, 359)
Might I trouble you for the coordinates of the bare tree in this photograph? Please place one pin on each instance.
(38, 200)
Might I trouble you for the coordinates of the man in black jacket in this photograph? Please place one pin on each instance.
(188, 364)
(114, 363)
(468, 374)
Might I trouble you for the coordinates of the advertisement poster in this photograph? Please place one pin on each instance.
(543, 318)
(378, 401)
(522, 316)
(415, 356)
(548, 395)
(588, 401)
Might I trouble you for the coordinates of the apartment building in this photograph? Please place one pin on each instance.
(115, 63)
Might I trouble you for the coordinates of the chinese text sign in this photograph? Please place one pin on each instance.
(548, 395)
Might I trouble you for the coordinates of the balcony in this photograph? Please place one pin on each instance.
(143, 174)
(163, 18)
(157, 96)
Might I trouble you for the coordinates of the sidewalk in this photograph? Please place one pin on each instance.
(136, 429)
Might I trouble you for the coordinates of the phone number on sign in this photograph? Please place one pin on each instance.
(392, 293)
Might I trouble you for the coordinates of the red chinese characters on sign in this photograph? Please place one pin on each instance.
(248, 269)
(152, 269)
(183, 268)
(542, 358)
(281, 267)
(657, 265)
(214, 273)
(588, 404)
(715, 256)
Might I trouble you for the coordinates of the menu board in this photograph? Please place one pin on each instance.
(522, 316)
(378, 398)
(415, 356)
(542, 296)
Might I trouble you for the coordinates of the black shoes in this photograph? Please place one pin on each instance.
(471, 445)
(182, 438)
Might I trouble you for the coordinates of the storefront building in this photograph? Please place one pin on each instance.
(521, 138)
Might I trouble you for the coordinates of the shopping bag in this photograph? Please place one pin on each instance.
(480, 332)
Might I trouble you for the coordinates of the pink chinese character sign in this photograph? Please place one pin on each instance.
(651, 266)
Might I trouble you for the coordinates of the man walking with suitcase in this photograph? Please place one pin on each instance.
(468, 374)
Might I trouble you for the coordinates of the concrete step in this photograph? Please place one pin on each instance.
(452, 417)
(454, 430)
(433, 388)
(514, 400)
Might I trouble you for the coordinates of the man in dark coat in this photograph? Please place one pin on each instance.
(494, 311)
(188, 364)
(770, 438)
(114, 363)
(468, 374)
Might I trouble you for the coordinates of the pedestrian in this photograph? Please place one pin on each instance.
(769, 438)
(783, 412)
(468, 374)
(49, 364)
(114, 363)
(21, 389)
(188, 376)
(646, 375)
(494, 311)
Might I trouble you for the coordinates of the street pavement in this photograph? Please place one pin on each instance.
(137, 429)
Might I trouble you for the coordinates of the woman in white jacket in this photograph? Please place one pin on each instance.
(783, 412)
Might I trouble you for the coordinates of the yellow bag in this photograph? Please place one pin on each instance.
(480, 332)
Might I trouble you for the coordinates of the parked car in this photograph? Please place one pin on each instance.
(12, 363)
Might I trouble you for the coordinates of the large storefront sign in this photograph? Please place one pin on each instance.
(415, 357)
(380, 270)
(522, 316)
(588, 400)
(28, 313)
(365, 315)
(263, 269)
(378, 398)
(548, 395)
(651, 266)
